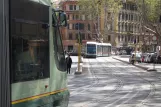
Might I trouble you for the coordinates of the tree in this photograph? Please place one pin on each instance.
(150, 11)
(95, 9)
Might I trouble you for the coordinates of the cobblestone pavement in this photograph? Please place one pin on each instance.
(106, 82)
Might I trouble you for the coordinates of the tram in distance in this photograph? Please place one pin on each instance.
(95, 49)
(36, 60)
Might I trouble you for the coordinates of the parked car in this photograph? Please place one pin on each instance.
(158, 60)
(153, 58)
(138, 57)
(143, 57)
(148, 58)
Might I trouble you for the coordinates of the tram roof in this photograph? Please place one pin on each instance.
(91, 43)
(104, 44)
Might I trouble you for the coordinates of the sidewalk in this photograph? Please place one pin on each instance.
(144, 66)
(75, 64)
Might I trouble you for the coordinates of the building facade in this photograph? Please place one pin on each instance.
(122, 28)
(128, 25)
(70, 33)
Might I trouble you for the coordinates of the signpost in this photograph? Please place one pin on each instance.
(155, 45)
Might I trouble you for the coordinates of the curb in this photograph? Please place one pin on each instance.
(144, 68)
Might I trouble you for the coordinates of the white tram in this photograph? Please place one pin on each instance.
(103, 49)
(95, 49)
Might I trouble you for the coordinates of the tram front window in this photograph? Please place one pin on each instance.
(30, 57)
(29, 41)
(91, 48)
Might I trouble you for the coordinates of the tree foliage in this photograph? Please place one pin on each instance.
(150, 9)
(95, 9)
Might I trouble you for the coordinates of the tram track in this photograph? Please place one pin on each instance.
(119, 86)
(129, 94)
(152, 88)
(86, 88)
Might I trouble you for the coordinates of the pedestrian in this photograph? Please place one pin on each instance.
(65, 52)
(69, 63)
(132, 59)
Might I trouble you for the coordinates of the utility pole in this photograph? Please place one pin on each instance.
(135, 49)
(79, 49)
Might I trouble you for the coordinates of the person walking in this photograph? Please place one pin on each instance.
(132, 59)
(69, 63)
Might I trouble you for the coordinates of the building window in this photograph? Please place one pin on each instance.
(70, 7)
(129, 15)
(109, 38)
(126, 16)
(123, 15)
(70, 48)
(119, 27)
(89, 37)
(80, 7)
(122, 37)
(75, 7)
(124, 6)
(125, 27)
(122, 27)
(81, 26)
(128, 37)
(132, 17)
(76, 36)
(73, 17)
(83, 17)
(89, 27)
(68, 16)
(119, 16)
(70, 36)
(125, 38)
(83, 36)
(77, 17)
(111, 27)
(73, 26)
(138, 39)
(119, 38)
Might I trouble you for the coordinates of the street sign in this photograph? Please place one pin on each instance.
(154, 38)
(154, 42)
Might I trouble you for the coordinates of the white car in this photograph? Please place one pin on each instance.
(138, 57)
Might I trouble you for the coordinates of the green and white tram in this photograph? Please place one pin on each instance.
(32, 61)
